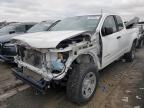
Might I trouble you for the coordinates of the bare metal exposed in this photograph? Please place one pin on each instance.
(74, 50)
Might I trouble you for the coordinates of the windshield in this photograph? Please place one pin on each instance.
(42, 26)
(8, 28)
(88, 23)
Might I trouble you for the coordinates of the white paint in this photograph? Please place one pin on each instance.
(46, 39)
(113, 48)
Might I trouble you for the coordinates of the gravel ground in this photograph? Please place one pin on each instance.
(121, 86)
(7, 80)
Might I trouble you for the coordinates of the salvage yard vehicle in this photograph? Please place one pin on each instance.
(134, 23)
(16, 28)
(8, 50)
(73, 53)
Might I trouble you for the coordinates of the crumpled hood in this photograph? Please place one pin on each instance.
(6, 38)
(46, 39)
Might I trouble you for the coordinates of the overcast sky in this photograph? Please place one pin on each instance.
(38, 10)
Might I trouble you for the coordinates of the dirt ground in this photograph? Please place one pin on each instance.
(121, 86)
(7, 80)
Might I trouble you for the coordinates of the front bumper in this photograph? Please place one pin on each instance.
(40, 85)
(46, 75)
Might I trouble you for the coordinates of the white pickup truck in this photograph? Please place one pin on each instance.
(73, 53)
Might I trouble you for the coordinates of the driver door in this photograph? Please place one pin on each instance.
(110, 47)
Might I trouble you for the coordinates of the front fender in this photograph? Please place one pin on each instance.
(71, 60)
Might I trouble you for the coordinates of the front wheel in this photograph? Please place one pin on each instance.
(82, 83)
(129, 57)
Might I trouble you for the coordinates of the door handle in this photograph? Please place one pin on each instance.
(118, 37)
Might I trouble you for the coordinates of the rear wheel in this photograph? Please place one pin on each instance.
(82, 83)
(129, 57)
(141, 44)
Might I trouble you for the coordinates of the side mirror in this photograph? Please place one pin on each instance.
(11, 32)
(107, 31)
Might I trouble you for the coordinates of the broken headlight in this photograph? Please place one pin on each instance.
(58, 61)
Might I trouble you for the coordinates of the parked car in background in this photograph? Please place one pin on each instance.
(134, 23)
(5, 23)
(141, 35)
(16, 28)
(8, 50)
(73, 52)
(42, 26)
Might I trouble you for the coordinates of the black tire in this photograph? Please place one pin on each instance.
(75, 82)
(129, 57)
(141, 44)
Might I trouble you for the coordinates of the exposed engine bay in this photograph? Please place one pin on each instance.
(53, 63)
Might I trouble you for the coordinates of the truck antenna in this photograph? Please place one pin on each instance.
(101, 11)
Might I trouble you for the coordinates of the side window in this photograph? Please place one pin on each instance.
(20, 29)
(119, 21)
(109, 26)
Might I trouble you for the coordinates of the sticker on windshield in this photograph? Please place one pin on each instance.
(93, 17)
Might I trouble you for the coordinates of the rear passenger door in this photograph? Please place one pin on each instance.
(110, 47)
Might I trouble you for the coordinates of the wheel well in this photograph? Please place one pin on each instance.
(85, 58)
(135, 41)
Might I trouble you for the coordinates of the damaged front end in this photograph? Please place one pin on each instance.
(39, 67)
(42, 63)
(35, 66)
